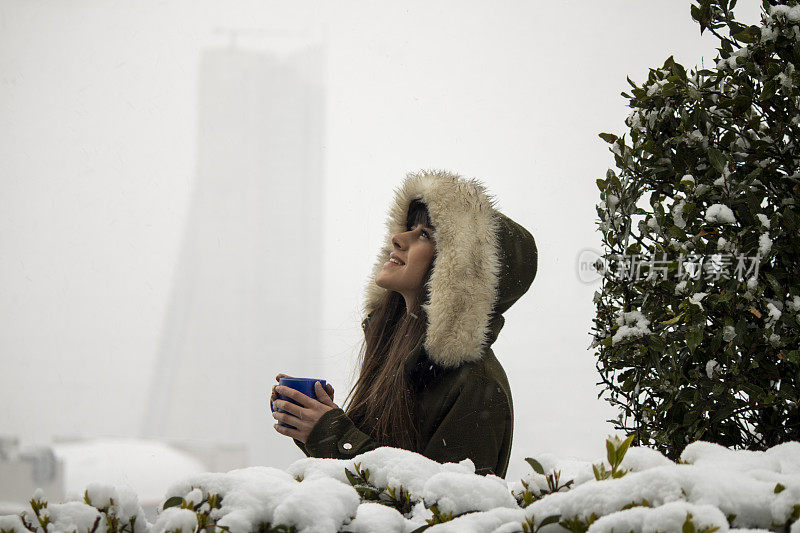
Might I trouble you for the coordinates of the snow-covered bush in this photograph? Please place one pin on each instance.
(389, 490)
(697, 328)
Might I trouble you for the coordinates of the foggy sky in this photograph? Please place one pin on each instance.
(98, 155)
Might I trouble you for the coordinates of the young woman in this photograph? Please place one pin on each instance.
(429, 382)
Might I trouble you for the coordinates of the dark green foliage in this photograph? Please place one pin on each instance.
(725, 366)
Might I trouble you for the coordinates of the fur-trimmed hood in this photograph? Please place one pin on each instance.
(484, 263)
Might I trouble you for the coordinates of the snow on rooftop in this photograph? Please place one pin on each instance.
(148, 467)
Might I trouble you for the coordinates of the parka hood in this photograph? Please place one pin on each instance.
(484, 262)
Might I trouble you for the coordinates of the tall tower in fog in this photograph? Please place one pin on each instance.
(246, 293)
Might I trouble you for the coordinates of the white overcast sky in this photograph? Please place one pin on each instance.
(97, 158)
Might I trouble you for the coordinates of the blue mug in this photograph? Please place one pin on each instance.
(304, 385)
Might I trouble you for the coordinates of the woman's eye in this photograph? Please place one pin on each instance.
(426, 234)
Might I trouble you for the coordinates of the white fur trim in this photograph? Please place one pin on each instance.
(464, 282)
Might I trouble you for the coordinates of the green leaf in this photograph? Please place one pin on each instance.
(673, 320)
(688, 525)
(753, 390)
(351, 477)
(552, 519)
(717, 160)
(173, 502)
(769, 90)
(536, 465)
(725, 296)
(744, 36)
(774, 282)
(611, 453)
(694, 337)
(623, 448)
(779, 488)
(794, 356)
(695, 11)
(609, 137)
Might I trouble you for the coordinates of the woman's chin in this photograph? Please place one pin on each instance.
(380, 281)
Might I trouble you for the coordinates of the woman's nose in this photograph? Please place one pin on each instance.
(398, 240)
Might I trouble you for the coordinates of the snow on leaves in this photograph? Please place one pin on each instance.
(711, 488)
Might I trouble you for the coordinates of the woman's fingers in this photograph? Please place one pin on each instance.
(288, 418)
(294, 410)
(322, 394)
(279, 376)
(295, 395)
(295, 434)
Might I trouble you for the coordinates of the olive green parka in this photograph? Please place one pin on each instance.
(463, 396)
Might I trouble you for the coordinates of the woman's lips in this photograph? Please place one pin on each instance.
(387, 263)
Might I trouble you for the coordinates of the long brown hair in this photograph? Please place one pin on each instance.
(383, 399)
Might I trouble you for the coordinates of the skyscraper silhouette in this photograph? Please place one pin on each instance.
(246, 294)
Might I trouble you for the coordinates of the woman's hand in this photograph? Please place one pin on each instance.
(304, 416)
(274, 396)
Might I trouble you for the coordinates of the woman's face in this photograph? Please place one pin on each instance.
(415, 248)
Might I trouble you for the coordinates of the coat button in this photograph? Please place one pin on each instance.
(347, 445)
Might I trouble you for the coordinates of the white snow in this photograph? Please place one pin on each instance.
(791, 13)
(333, 504)
(710, 484)
(12, 523)
(680, 287)
(148, 467)
(101, 495)
(632, 324)
(74, 515)
(773, 314)
(764, 220)
(372, 517)
(669, 517)
(728, 333)
(764, 244)
(711, 366)
(720, 213)
(677, 214)
(174, 519)
(497, 521)
(456, 492)
(194, 497)
(408, 470)
(696, 297)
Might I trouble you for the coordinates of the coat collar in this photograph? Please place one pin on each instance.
(419, 354)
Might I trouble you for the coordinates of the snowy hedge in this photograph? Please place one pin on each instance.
(388, 490)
